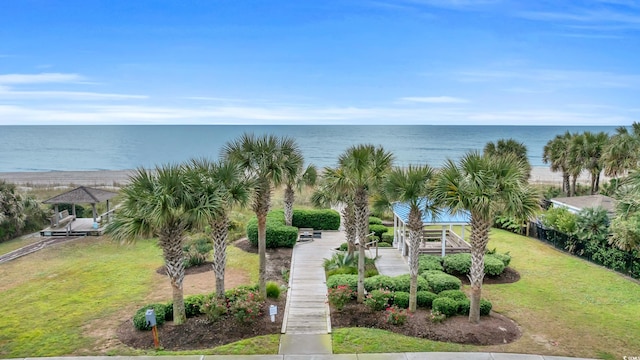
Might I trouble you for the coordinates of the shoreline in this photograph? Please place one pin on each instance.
(117, 178)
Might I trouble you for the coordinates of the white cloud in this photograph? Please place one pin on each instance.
(558, 78)
(40, 78)
(434, 100)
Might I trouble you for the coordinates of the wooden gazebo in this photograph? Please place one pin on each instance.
(79, 195)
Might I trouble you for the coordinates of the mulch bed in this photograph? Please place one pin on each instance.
(198, 333)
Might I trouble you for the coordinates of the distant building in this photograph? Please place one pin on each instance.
(576, 203)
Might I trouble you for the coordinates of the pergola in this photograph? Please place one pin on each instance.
(445, 218)
(82, 195)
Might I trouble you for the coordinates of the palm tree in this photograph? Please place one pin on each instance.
(625, 227)
(227, 180)
(165, 204)
(412, 185)
(269, 160)
(509, 146)
(484, 186)
(556, 152)
(621, 154)
(295, 181)
(331, 192)
(577, 160)
(362, 168)
(594, 145)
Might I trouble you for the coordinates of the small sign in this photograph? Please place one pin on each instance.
(273, 311)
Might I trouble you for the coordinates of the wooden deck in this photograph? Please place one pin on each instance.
(78, 227)
(432, 243)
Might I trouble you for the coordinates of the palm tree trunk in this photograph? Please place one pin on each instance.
(361, 212)
(219, 232)
(349, 227)
(479, 239)
(261, 208)
(574, 180)
(593, 183)
(415, 235)
(171, 244)
(566, 187)
(289, 197)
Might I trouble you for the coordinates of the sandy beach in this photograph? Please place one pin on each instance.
(116, 178)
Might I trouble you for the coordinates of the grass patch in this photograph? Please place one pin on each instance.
(566, 306)
(362, 340)
(48, 297)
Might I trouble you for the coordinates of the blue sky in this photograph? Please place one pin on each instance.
(498, 62)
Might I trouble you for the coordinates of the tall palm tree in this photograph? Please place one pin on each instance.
(556, 153)
(625, 227)
(331, 192)
(227, 180)
(295, 181)
(269, 160)
(577, 160)
(484, 186)
(412, 185)
(594, 145)
(165, 204)
(362, 169)
(509, 146)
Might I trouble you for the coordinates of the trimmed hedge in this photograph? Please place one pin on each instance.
(425, 298)
(460, 264)
(325, 219)
(378, 230)
(505, 258)
(401, 299)
(387, 237)
(379, 282)
(453, 294)
(278, 234)
(440, 281)
(375, 220)
(429, 262)
(445, 306)
(485, 307)
(384, 245)
(192, 305)
(403, 283)
(343, 279)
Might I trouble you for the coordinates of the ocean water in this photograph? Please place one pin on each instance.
(118, 147)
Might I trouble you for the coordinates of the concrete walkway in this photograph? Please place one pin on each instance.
(306, 326)
(390, 262)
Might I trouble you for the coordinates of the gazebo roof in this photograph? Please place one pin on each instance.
(444, 217)
(82, 195)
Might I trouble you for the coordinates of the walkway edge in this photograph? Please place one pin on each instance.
(283, 328)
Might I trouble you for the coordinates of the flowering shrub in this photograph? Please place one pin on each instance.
(436, 316)
(378, 300)
(214, 307)
(339, 296)
(247, 309)
(396, 316)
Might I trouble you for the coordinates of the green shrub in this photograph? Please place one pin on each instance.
(214, 307)
(140, 321)
(401, 299)
(384, 245)
(240, 292)
(369, 272)
(343, 247)
(463, 306)
(378, 300)
(379, 282)
(325, 219)
(453, 294)
(192, 305)
(343, 271)
(429, 262)
(440, 281)
(196, 251)
(341, 260)
(168, 311)
(387, 237)
(378, 230)
(273, 290)
(375, 220)
(459, 264)
(334, 281)
(403, 283)
(485, 307)
(493, 266)
(505, 258)
(278, 234)
(425, 298)
(396, 316)
(445, 306)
